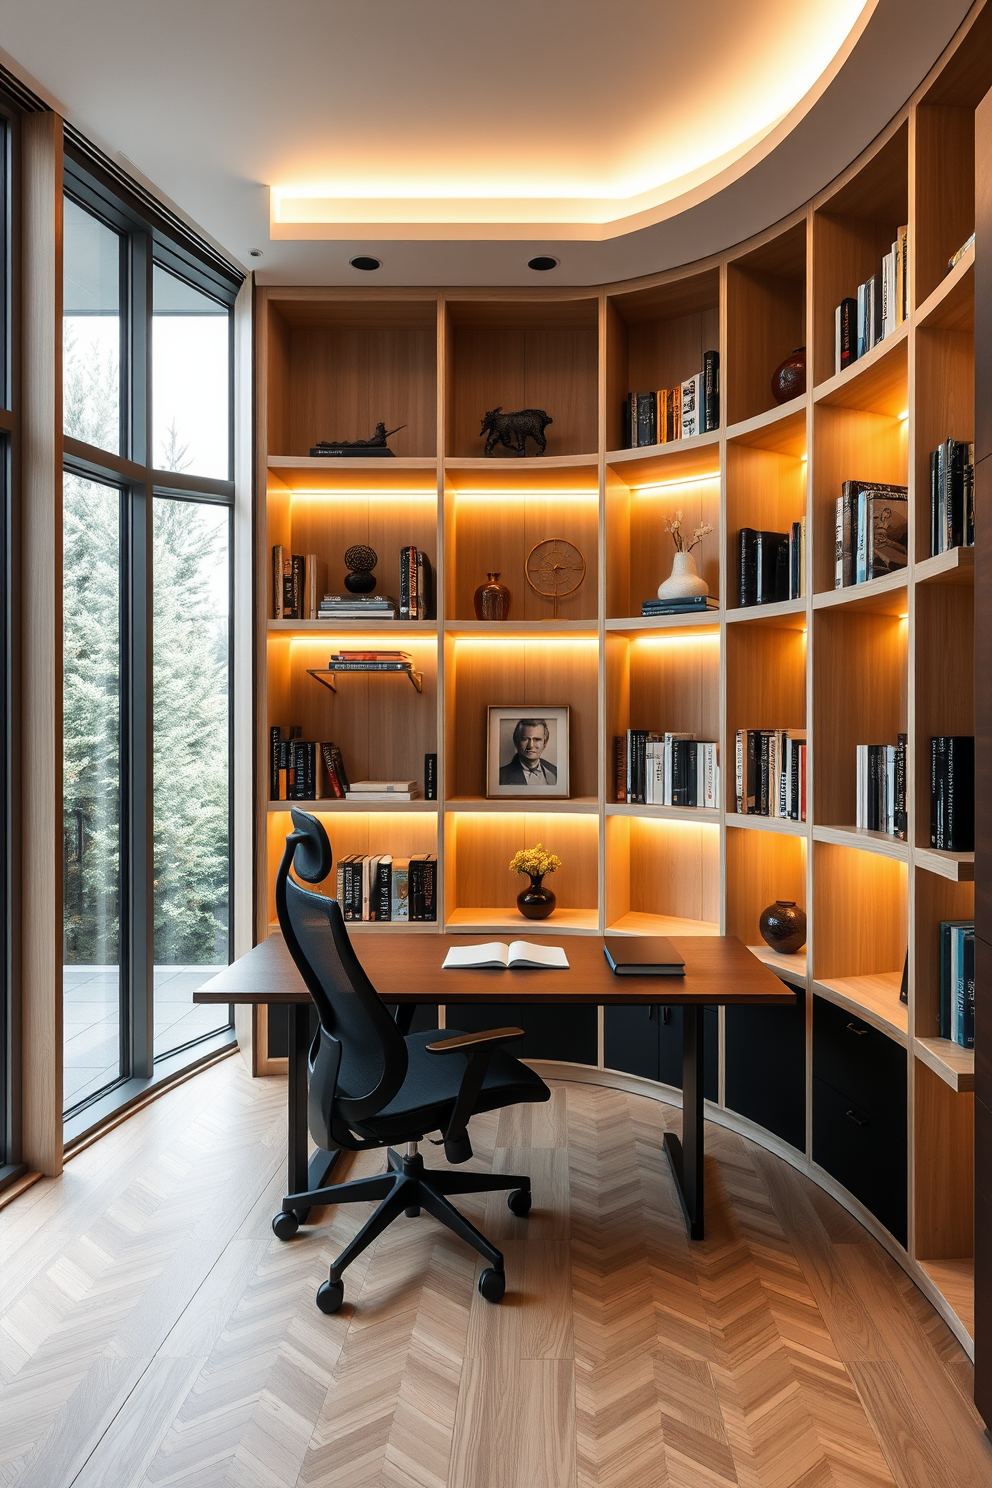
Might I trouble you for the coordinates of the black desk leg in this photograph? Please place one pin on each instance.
(686, 1157)
(305, 1174)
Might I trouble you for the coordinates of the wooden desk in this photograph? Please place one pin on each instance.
(406, 969)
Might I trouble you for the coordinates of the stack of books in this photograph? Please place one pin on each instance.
(771, 773)
(656, 769)
(370, 661)
(870, 527)
(357, 607)
(383, 790)
(659, 417)
(881, 788)
(860, 324)
(416, 585)
(957, 981)
(771, 565)
(697, 604)
(952, 792)
(377, 886)
(952, 496)
(303, 770)
(295, 580)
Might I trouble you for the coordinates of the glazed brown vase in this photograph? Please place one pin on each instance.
(789, 377)
(492, 599)
(536, 902)
(783, 926)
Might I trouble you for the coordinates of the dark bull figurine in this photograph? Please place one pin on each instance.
(512, 430)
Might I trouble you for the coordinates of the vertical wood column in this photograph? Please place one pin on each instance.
(41, 653)
(241, 908)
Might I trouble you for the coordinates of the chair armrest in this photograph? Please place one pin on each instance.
(470, 1041)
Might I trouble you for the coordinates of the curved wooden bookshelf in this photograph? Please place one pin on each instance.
(891, 656)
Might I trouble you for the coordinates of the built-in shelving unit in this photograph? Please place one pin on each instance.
(854, 665)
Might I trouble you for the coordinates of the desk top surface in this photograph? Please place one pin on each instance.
(407, 968)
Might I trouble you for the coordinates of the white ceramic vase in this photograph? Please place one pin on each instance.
(683, 582)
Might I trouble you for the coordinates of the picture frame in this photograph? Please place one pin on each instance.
(527, 752)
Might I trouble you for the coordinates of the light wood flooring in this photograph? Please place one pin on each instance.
(154, 1332)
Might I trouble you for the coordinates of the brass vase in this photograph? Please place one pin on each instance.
(492, 599)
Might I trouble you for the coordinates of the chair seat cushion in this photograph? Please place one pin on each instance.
(425, 1100)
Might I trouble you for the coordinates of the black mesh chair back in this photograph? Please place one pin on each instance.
(356, 1031)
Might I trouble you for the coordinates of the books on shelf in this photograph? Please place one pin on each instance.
(383, 790)
(370, 661)
(952, 496)
(303, 770)
(357, 607)
(377, 886)
(416, 585)
(496, 956)
(696, 604)
(771, 565)
(880, 788)
(957, 982)
(870, 531)
(880, 306)
(661, 416)
(297, 579)
(771, 773)
(956, 258)
(952, 792)
(657, 769)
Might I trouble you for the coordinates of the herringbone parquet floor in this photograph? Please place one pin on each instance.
(154, 1332)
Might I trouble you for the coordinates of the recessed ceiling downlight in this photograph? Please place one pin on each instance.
(364, 262)
(541, 262)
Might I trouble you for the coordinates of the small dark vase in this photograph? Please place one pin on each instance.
(361, 560)
(789, 377)
(536, 902)
(492, 599)
(783, 926)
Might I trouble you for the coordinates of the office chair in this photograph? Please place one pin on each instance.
(371, 1086)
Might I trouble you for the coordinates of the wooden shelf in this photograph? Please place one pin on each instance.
(959, 867)
(781, 429)
(638, 923)
(415, 476)
(755, 823)
(951, 306)
(955, 1281)
(783, 609)
(519, 629)
(875, 383)
(857, 837)
(886, 595)
(708, 623)
(333, 807)
(529, 470)
(574, 805)
(956, 566)
(688, 814)
(332, 627)
(667, 464)
(484, 921)
(954, 1065)
(791, 968)
(874, 998)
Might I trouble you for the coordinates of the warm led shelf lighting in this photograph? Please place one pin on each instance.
(660, 486)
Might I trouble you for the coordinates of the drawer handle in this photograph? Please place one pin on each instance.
(858, 1120)
(853, 1028)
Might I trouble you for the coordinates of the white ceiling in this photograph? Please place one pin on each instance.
(454, 139)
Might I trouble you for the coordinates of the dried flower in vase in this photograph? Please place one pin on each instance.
(673, 525)
(535, 902)
(535, 861)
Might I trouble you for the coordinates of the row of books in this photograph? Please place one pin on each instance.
(381, 887)
(952, 792)
(860, 324)
(304, 770)
(370, 661)
(297, 579)
(880, 790)
(870, 530)
(690, 408)
(673, 769)
(957, 981)
(952, 496)
(771, 565)
(771, 773)
(416, 585)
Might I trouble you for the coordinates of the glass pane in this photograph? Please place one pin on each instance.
(91, 330)
(91, 600)
(191, 372)
(192, 764)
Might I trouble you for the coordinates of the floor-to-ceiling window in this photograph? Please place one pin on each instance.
(147, 560)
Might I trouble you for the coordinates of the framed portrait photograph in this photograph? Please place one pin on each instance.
(527, 752)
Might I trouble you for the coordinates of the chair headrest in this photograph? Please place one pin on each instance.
(313, 858)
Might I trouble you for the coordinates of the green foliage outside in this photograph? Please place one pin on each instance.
(190, 702)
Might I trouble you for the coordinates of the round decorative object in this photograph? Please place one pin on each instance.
(492, 1285)
(536, 902)
(554, 569)
(518, 1202)
(330, 1295)
(783, 926)
(361, 560)
(683, 582)
(789, 377)
(492, 599)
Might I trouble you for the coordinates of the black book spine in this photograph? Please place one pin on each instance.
(430, 777)
(404, 585)
(430, 899)
(900, 800)
(747, 566)
(619, 768)
(960, 814)
(782, 570)
(752, 768)
(793, 748)
(349, 889)
(938, 792)
(691, 772)
(935, 522)
(384, 873)
(848, 332)
(647, 419)
(763, 801)
(678, 772)
(711, 390)
(873, 787)
(640, 774)
(969, 497)
(275, 740)
(956, 461)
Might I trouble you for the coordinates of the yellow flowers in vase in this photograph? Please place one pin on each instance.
(535, 902)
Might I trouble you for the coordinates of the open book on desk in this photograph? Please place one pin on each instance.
(519, 953)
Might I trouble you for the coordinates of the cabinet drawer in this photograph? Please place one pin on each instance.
(766, 1068)
(860, 1062)
(863, 1153)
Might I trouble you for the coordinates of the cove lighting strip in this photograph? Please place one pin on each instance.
(373, 493)
(692, 480)
(513, 492)
(528, 640)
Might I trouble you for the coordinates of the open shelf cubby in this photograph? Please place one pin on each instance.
(855, 665)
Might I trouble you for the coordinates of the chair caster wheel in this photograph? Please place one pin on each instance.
(413, 1212)
(330, 1295)
(285, 1224)
(492, 1285)
(518, 1202)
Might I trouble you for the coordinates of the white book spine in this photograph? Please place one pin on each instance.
(838, 544)
(690, 406)
(739, 771)
(861, 818)
(837, 313)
